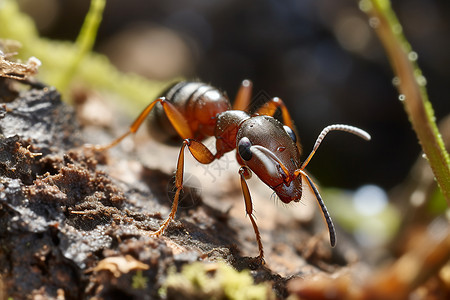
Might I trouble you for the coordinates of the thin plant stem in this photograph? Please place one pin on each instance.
(85, 41)
(411, 85)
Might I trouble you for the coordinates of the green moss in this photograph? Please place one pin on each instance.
(213, 281)
(139, 281)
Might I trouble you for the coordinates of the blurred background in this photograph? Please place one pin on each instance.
(320, 56)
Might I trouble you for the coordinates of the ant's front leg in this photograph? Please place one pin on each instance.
(202, 154)
(175, 117)
(246, 174)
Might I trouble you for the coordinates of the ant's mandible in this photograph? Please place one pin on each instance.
(270, 149)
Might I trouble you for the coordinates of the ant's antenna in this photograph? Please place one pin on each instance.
(347, 128)
(351, 129)
(325, 213)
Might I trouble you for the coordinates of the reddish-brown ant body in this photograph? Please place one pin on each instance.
(194, 111)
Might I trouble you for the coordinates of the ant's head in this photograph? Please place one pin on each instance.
(269, 149)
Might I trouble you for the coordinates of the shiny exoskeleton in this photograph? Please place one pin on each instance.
(193, 111)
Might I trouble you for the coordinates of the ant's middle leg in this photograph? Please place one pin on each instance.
(173, 114)
(204, 156)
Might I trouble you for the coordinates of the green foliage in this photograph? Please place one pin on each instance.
(66, 63)
(84, 42)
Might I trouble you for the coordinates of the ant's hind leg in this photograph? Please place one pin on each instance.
(175, 117)
(243, 96)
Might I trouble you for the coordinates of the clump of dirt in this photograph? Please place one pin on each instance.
(58, 211)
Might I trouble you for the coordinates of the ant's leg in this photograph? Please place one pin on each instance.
(175, 117)
(269, 109)
(245, 174)
(179, 186)
(243, 96)
(202, 154)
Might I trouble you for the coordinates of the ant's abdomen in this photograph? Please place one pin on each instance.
(198, 102)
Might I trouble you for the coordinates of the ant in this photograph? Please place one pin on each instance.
(194, 111)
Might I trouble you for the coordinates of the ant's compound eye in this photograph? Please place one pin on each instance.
(290, 132)
(244, 149)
